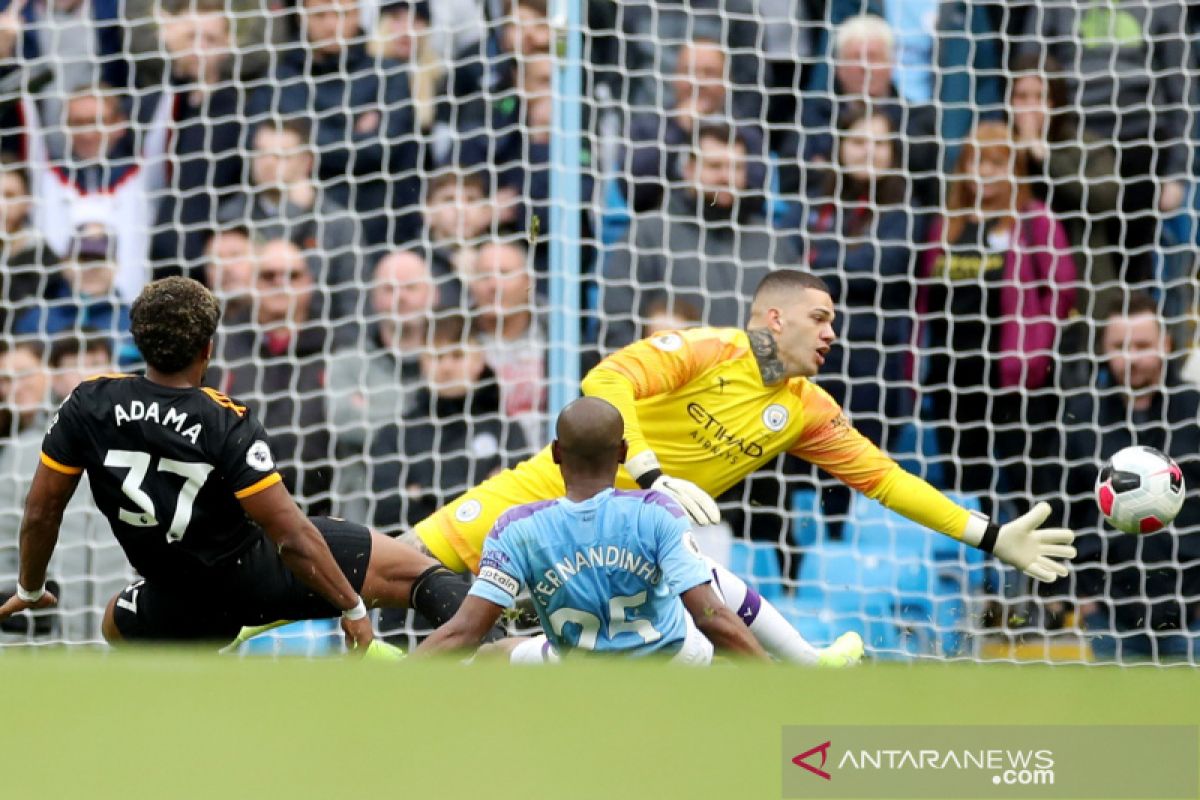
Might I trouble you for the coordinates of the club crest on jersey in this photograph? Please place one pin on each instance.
(667, 342)
(259, 456)
(469, 511)
(775, 417)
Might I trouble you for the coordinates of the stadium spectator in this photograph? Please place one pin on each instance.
(700, 93)
(24, 388)
(25, 260)
(855, 231)
(402, 34)
(229, 267)
(1138, 596)
(107, 172)
(73, 358)
(285, 201)
(864, 64)
(457, 216)
(996, 283)
(367, 152)
(513, 335)
(58, 47)
(514, 147)
(207, 62)
(704, 246)
(1073, 171)
(650, 47)
(372, 384)
(454, 434)
(661, 315)
(790, 38)
(277, 360)
(85, 297)
(88, 565)
(485, 73)
(1126, 65)
(948, 52)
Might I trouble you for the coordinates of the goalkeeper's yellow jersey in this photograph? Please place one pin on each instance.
(696, 398)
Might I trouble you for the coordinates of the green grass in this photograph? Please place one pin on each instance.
(181, 725)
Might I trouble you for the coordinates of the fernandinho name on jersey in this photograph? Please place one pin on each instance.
(610, 556)
(150, 412)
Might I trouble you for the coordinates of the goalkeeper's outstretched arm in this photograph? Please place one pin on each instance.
(830, 442)
(1038, 552)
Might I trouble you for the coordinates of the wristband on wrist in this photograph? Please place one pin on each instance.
(641, 465)
(647, 479)
(357, 612)
(981, 532)
(27, 596)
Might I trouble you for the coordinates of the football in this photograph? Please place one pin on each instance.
(1139, 490)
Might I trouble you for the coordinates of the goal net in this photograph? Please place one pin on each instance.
(425, 221)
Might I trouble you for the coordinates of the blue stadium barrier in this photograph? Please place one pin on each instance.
(807, 523)
(314, 637)
(943, 571)
(863, 588)
(758, 565)
(815, 622)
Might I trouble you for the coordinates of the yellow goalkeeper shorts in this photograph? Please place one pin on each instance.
(454, 534)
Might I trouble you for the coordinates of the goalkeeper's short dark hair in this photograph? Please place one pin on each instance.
(172, 321)
(790, 280)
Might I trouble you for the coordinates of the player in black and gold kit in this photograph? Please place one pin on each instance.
(186, 478)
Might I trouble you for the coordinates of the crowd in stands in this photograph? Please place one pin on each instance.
(993, 191)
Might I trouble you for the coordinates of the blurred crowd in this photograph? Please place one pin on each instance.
(1001, 196)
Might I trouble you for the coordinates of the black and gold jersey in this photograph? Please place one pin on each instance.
(167, 467)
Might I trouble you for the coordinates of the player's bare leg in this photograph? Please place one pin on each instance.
(401, 576)
(108, 625)
(392, 571)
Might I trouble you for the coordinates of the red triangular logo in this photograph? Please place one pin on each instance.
(823, 749)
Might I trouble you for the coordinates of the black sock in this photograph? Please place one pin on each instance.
(437, 594)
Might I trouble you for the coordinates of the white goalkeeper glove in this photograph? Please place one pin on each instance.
(695, 501)
(1023, 544)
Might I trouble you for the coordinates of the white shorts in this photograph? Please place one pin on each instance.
(696, 651)
(537, 650)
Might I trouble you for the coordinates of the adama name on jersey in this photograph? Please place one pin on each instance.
(149, 412)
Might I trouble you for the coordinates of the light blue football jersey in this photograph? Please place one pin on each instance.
(604, 574)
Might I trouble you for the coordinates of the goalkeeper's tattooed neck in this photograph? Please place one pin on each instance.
(766, 352)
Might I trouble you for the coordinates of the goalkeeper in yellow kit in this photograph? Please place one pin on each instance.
(705, 407)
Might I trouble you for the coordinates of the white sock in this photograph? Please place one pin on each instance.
(773, 632)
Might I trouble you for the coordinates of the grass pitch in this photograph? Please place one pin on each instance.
(187, 725)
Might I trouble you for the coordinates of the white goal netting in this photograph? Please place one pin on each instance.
(426, 220)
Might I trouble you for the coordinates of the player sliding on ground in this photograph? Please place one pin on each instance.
(703, 408)
(609, 571)
(187, 480)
